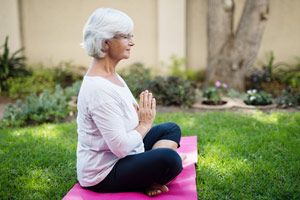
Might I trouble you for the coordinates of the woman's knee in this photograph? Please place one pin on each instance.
(170, 158)
(174, 127)
(174, 132)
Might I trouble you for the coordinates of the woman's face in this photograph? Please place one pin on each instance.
(119, 46)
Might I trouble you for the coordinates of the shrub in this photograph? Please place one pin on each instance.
(47, 107)
(42, 78)
(66, 73)
(255, 97)
(136, 77)
(214, 94)
(274, 77)
(290, 98)
(260, 77)
(291, 76)
(20, 87)
(235, 94)
(10, 65)
(173, 90)
(177, 69)
(73, 90)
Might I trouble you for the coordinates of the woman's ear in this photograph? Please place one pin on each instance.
(105, 45)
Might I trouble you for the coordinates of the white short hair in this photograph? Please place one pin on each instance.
(103, 24)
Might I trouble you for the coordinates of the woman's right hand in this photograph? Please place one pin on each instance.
(146, 112)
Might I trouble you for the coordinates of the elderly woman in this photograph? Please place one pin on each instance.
(118, 149)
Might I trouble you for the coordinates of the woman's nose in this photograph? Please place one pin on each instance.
(131, 43)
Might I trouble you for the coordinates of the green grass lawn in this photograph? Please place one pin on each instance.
(241, 156)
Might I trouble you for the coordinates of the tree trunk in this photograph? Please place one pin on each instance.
(230, 55)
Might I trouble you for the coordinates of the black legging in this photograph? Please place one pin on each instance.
(135, 172)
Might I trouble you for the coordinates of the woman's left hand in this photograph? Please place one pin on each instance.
(146, 111)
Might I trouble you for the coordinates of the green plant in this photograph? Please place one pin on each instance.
(10, 65)
(291, 75)
(264, 75)
(177, 66)
(269, 67)
(214, 94)
(231, 93)
(47, 107)
(274, 77)
(42, 78)
(73, 90)
(20, 87)
(255, 97)
(136, 77)
(66, 73)
(177, 69)
(290, 98)
(173, 90)
(199, 77)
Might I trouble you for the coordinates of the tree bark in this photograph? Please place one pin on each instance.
(230, 55)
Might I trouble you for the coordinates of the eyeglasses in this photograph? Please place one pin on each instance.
(127, 37)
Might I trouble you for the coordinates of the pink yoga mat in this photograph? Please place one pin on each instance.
(183, 187)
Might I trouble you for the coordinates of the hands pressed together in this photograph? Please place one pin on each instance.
(146, 112)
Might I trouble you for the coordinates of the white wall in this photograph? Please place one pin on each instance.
(9, 24)
(51, 31)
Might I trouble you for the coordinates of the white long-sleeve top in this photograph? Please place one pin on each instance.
(105, 124)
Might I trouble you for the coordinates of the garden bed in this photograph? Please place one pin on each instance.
(230, 104)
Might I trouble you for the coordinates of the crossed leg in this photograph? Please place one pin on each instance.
(157, 189)
(168, 144)
(151, 170)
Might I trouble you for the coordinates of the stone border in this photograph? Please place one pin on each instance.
(231, 103)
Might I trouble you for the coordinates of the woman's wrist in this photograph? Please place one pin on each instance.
(143, 128)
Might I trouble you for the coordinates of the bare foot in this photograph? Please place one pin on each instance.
(156, 189)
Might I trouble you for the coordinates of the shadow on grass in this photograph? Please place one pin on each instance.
(38, 162)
